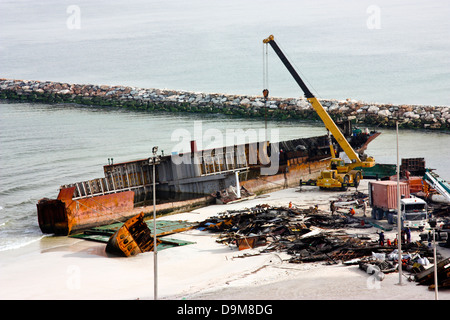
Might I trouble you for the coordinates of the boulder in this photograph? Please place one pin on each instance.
(258, 104)
(373, 109)
(245, 101)
(344, 109)
(411, 115)
(333, 107)
(384, 113)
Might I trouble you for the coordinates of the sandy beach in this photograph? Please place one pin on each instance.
(61, 268)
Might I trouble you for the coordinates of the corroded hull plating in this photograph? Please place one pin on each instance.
(132, 238)
(64, 215)
(72, 216)
(289, 177)
(126, 188)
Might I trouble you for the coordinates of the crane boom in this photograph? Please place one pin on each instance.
(320, 110)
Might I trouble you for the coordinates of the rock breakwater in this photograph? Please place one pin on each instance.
(373, 114)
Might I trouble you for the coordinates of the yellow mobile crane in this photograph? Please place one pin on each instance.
(339, 174)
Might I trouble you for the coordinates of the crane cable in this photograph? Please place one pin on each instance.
(265, 71)
(265, 84)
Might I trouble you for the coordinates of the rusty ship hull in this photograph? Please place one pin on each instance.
(127, 189)
(132, 238)
(64, 215)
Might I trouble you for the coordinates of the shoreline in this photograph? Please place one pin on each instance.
(64, 268)
(145, 99)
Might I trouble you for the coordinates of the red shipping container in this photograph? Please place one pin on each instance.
(383, 194)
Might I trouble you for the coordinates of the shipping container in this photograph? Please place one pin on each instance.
(383, 200)
(383, 194)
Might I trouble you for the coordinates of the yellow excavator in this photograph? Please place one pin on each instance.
(339, 175)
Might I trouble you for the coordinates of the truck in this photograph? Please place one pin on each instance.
(383, 200)
(339, 175)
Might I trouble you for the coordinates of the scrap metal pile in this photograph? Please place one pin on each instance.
(307, 235)
(426, 277)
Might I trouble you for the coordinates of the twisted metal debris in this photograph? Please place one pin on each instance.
(307, 235)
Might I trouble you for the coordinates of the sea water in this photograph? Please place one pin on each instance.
(375, 51)
(383, 51)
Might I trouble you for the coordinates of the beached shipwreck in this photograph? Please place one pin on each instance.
(189, 180)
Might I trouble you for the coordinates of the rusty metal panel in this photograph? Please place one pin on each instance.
(66, 193)
(89, 212)
(132, 238)
(64, 215)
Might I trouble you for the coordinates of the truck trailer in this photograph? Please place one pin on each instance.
(383, 200)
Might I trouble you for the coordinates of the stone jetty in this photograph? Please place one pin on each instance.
(372, 114)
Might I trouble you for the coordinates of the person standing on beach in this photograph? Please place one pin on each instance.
(332, 208)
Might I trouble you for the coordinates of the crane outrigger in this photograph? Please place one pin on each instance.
(339, 174)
